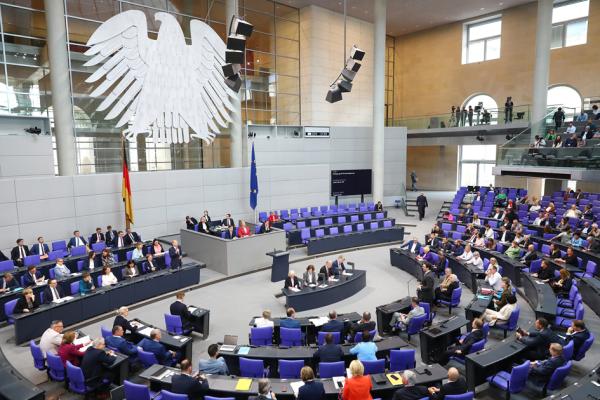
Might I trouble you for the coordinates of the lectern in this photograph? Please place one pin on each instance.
(280, 266)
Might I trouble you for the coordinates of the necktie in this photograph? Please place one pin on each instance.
(120, 242)
(22, 251)
(42, 250)
(131, 237)
(55, 294)
(77, 242)
(98, 237)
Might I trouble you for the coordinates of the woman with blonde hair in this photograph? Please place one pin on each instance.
(358, 387)
(311, 390)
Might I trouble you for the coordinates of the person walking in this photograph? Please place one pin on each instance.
(422, 205)
(413, 180)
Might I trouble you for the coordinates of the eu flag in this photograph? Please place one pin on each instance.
(253, 181)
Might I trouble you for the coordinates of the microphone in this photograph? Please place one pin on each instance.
(408, 285)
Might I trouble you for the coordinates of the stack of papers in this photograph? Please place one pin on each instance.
(243, 384)
(227, 347)
(192, 309)
(294, 289)
(81, 340)
(244, 350)
(318, 321)
(146, 331)
(296, 387)
(323, 286)
(347, 273)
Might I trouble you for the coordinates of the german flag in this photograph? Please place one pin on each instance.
(126, 188)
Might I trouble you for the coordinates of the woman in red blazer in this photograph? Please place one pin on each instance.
(69, 351)
(243, 230)
(359, 386)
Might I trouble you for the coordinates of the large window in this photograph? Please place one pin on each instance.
(565, 97)
(482, 103)
(569, 23)
(481, 40)
(476, 163)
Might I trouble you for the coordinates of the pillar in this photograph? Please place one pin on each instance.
(541, 71)
(60, 85)
(235, 127)
(380, 10)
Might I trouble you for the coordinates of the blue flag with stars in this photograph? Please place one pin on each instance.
(253, 181)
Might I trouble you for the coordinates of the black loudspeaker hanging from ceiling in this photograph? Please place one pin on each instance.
(239, 32)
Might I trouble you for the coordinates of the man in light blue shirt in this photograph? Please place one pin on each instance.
(61, 270)
(577, 241)
(365, 350)
(214, 365)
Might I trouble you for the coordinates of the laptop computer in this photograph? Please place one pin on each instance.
(229, 343)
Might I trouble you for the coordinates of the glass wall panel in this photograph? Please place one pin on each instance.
(288, 48)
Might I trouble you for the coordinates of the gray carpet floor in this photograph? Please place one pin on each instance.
(234, 301)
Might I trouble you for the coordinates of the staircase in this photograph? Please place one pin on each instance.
(411, 206)
(445, 207)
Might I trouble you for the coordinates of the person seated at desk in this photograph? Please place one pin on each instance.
(40, 248)
(577, 241)
(228, 221)
(537, 339)
(425, 289)
(339, 265)
(310, 276)
(108, 278)
(554, 251)
(76, 241)
(490, 244)
(291, 281)
(19, 252)
(153, 345)
(265, 227)
(546, 273)
(399, 321)
(333, 325)
(264, 321)
(409, 389)
(190, 222)
(290, 321)
(427, 255)
(359, 386)
(448, 217)
(492, 316)
(463, 346)
(480, 240)
(131, 269)
(476, 261)
(468, 211)
(175, 254)
(178, 307)
(594, 246)
(121, 320)
(110, 236)
(230, 232)
(439, 267)
(329, 351)
(458, 248)
(578, 334)
(149, 265)
(493, 277)
(206, 217)
(327, 270)
(570, 258)
(365, 350)
(379, 206)
(32, 277)
(506, 236)
(86, 285)
(97, 237)
(120, 240)
(541, 370)
(455, 385)
(433, 240)
(52, 292)
(445, 245)
(61, 270)
(68, 351)
(529, 256)
(52, 338)
(273, 217)
(94, 366)
(498, 214)
(467, 254)
(519, 238)
(117, 341)
(138, 252)
(264, 391)
(311, 390)
(195, 386)
(502, 295)
(131, 237)
(89, 263)
(562, 284)
(214, 365)
(513, 251)
(588, 213)
(8, 283)
(107, 258)
(476, 221)
(564, 237)
(203, 226)
(156, 249)
(447, 286)
(365, 324)
(526, 242)
(573, 212)
(413, 246)
(243, 229)
(488, 232)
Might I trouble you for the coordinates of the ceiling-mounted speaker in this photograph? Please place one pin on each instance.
(241, 27)
(240, 30)
(334, 94)
(234, 57)
(234, 82)
(231, 69)
(348, 75)
(236, 42)
(343, 83)
(352, 65)
(345, 86)
(356, 53)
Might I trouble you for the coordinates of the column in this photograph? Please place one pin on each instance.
(235, 128)
(380, 9)
(61, 86)
(541, 72)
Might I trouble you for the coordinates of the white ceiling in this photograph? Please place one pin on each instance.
(407, 16)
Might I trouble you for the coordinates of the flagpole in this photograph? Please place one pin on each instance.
(127, 224)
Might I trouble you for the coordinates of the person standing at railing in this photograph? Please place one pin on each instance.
(558, 117)
(463, 116)
(457, 115)
(470, 116)
(452, 121)
(508, 110)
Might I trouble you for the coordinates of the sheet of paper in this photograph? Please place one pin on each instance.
(146, 331)
(296, 386)
(243, 384)
(348, 373)
(318, 321)
(294, 289)
(192, 309)
(323, 286)
(347, 273)
(81, 340)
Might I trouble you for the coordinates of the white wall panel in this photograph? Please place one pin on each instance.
(46, 210)
(8, 214)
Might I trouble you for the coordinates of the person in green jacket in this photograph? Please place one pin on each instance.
(513, 251)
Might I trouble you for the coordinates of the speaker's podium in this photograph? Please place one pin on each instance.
(281, 265)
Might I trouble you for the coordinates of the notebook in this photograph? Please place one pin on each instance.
(243, 384)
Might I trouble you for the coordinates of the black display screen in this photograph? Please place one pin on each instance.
(351, 182)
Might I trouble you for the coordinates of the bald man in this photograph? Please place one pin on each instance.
(455, 385)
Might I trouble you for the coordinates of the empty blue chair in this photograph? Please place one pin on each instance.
(456, 235)
(367, 217)
(566, 322)
(301, 224)
(387, 224)
(78, 251)
(303, 209)
(354, 218)
(290, 369)
(33, 259)
(74, 287)
(347, 228)
(262, 216)
(146, 358)
(570, 300)
(427, 307)
(106, 333)
(461, 228)
(584, 348)
(56, 369)
(557, 378)
(341, 220)
(454, 300)
(324, 209)
(475, 347)
(314, 222)
(59, 245)
(252, 368)
(175, 325)
(306, 214)
(76, 379)
(374, 225)
(331, 369)
(334, 230)
(51, 273)
(284, 214)
(261, 336)
(6, 265)
(80, 262)
(305, 235)
(39, 362)
(321, 337)
(415, 325)
(590, 270)
(288, 226)
(374, 366)
(513, 382)
(166, 395)
(512, 322)
(402, 359)
(9, 310)
(567, 352)
(464, 396)
(136, 391)
(328, 221)
(360, 227)
(98, 246)
(319, 233)
(290, 336)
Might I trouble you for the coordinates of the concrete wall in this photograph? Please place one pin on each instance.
(429, 77)
(436, 166)
(55, 206)
(25, 155)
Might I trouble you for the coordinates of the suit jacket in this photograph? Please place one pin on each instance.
(94, 238)
(73, 241)
(178, 308)
(228, 222)
(160, 352)
(203, 229)
(124, 323)
(427, 287)
(14, 253)
(48, 294)
(9, 285)
(307, 274)
(133, 235)
(333, 325)
(422, 201)
(547, 367)
(578, 338)
(337, 267)
(311, 390)
(546, 273)
(539, 341)
(289, 323)
(468, 212)
(327, 272)
(457, 387)
(93, 363)
(507, 238)
(3, 257)
(85, 266)
(528, 258)
(185, 384)
(408, 246)
(471, 338)
(329, 353)
(288, 283)
(37, 248)
(28, 279)
(111, 238)
(122, 345)
(175, 256)
(22, 304)
(363, 326)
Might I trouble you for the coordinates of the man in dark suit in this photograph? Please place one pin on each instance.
(119, 241)
(529, 256)
(19, 252)
(327, 270)
(94, 366)
(40, 248)
(365, 324)
(3, 257)
(290, 321)
(422, 205)
(8, 283)
(425, 290)
(329, 352)
(97, 237)
(333, 325)
(455, 385)
(116, 341)
(194, 386)
(339, 265)
(77, 240)
(506, 236)
(52, 292)
(541, 370)
(538, 339)
(468, 211)
(228, 221)
(32, 277)
(578, 334)
(190, 222)
(153, 345)
(175, 254)
(110, 236)
(178, 307)
(131, 237)
(291, 281)
(463, 346)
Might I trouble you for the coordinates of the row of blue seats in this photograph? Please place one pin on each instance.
(307, 212)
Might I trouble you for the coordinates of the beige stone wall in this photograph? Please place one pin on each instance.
(436, 166)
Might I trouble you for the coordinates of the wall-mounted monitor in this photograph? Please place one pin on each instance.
(351, 182)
